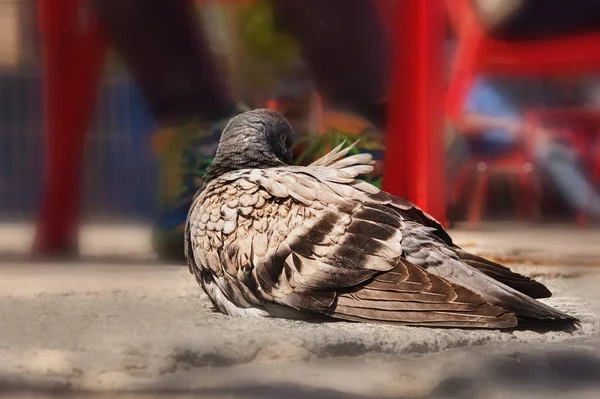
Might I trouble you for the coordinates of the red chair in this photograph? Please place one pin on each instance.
(517, 166)
(73, 52)
(585, 139)
(478, 53)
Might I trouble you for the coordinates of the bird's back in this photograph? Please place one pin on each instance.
(315, 239)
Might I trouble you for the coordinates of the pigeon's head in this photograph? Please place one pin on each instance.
(256, 139)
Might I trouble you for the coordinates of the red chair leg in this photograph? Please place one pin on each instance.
(462, 76)
(459, 184)
(74, 50)
(477, 202)
(582, 218)
(535, 194)
(525, 203)
(519, 196)
(414, 159)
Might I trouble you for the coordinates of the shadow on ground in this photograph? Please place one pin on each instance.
(555, 372)
(549, 374)
(287, 391)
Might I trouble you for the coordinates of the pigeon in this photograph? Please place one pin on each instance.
(267, 238)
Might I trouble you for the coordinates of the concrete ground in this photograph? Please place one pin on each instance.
(116, 323)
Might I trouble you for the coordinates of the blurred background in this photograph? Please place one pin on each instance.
(486, 113)
(522, 143)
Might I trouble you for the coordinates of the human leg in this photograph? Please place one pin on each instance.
(169, 58)
(346, 47)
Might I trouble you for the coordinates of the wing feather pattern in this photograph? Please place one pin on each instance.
(498, 272)
(314, 239)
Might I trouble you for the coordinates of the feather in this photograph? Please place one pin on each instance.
(313, 239)
(335, 154)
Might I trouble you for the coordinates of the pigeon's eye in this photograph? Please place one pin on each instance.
(283, 137)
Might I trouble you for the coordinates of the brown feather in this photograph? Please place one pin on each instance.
(428, 300)
(503, 274)
(314, 239)
(498, 272)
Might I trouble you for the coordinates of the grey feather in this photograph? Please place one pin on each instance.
(266, 238)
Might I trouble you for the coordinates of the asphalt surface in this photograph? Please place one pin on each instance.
(118, 324)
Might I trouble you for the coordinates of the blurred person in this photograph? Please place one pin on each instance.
(162, 44)
(493, 125)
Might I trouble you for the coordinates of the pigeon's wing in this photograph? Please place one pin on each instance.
(426, 244)
(315, 239)
(410, 295)
(423, 246)
(523, 284)
(312, 246)
(498, 272)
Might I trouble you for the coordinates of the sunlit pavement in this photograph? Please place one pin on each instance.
(117, 320)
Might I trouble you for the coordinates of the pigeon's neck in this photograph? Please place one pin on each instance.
(234, 161)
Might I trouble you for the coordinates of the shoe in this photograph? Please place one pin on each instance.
(184, 153)
(339, 125)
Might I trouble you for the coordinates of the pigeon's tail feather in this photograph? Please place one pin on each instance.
(521, 283)
(502, 295)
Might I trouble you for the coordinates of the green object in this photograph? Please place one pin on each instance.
(267, 52)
